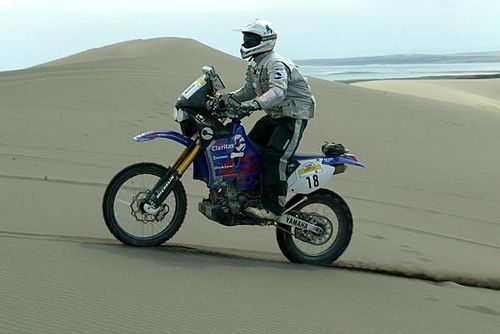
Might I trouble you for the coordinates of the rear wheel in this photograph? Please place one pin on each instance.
(327, 210)
(124, 212)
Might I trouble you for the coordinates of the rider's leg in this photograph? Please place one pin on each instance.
(282, 145)
(262, 131)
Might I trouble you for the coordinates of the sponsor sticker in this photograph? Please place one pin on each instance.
(195, 86)
(223, 167)
(207, 133)
(309, 168)
(220, 157)
(237, 155)
(239, 143)
(222, 147)
(278, 76)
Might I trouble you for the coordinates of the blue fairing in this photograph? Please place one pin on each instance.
(233, 160)
(341, 159)
(200, 168)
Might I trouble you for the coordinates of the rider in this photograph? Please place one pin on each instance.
(275, 85)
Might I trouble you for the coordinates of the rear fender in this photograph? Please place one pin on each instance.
(315, 172)
(347, 159)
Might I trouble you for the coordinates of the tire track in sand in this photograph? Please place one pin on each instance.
(387, 269)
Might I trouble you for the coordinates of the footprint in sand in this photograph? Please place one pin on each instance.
(379, 237)
(407, 249)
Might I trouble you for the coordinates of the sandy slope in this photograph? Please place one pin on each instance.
(427, 203)
(483, 94)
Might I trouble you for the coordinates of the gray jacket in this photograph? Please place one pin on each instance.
(277, 85)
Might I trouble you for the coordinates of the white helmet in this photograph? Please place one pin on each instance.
(258, 37)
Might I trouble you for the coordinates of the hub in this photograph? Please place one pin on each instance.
(319, 236)
(144, 212)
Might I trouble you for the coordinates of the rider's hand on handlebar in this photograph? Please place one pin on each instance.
(227, 99)
(250, 107)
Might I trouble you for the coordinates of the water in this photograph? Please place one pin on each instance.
(397, 71)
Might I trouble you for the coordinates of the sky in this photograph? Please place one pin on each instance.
(36, 31)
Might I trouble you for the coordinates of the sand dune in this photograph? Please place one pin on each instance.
(426, 206)
(483, 94)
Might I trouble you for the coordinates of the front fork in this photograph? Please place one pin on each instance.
(166, 184)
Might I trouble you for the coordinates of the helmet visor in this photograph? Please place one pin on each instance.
(250, 40)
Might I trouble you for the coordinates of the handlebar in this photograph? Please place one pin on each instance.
(232, 112)
(228, 108)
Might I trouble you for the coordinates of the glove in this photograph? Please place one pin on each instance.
(250, 107)
(224, 96)
(227, 99)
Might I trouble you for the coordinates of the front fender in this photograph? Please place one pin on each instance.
(165, 134)
(200, 165)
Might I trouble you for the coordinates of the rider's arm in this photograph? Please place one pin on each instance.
(246, 92)
(278, 84)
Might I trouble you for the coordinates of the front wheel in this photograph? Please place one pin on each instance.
(327, 210)
(123, 207)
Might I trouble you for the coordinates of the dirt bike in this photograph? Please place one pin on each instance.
(145, 203)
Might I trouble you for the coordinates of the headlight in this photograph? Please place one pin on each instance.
(179, 115)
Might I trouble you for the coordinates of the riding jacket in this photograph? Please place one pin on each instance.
(278, 86)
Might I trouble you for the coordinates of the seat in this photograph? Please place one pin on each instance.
(303, 156)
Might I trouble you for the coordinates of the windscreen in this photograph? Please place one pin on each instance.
(195, 96)
(194, 87)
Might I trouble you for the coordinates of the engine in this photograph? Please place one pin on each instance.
(225, 205)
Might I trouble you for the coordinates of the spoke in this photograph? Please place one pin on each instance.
(132, 184)
(327, 212)
(123, 202)
(155, 223)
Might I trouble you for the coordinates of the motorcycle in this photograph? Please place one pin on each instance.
(145, 203)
